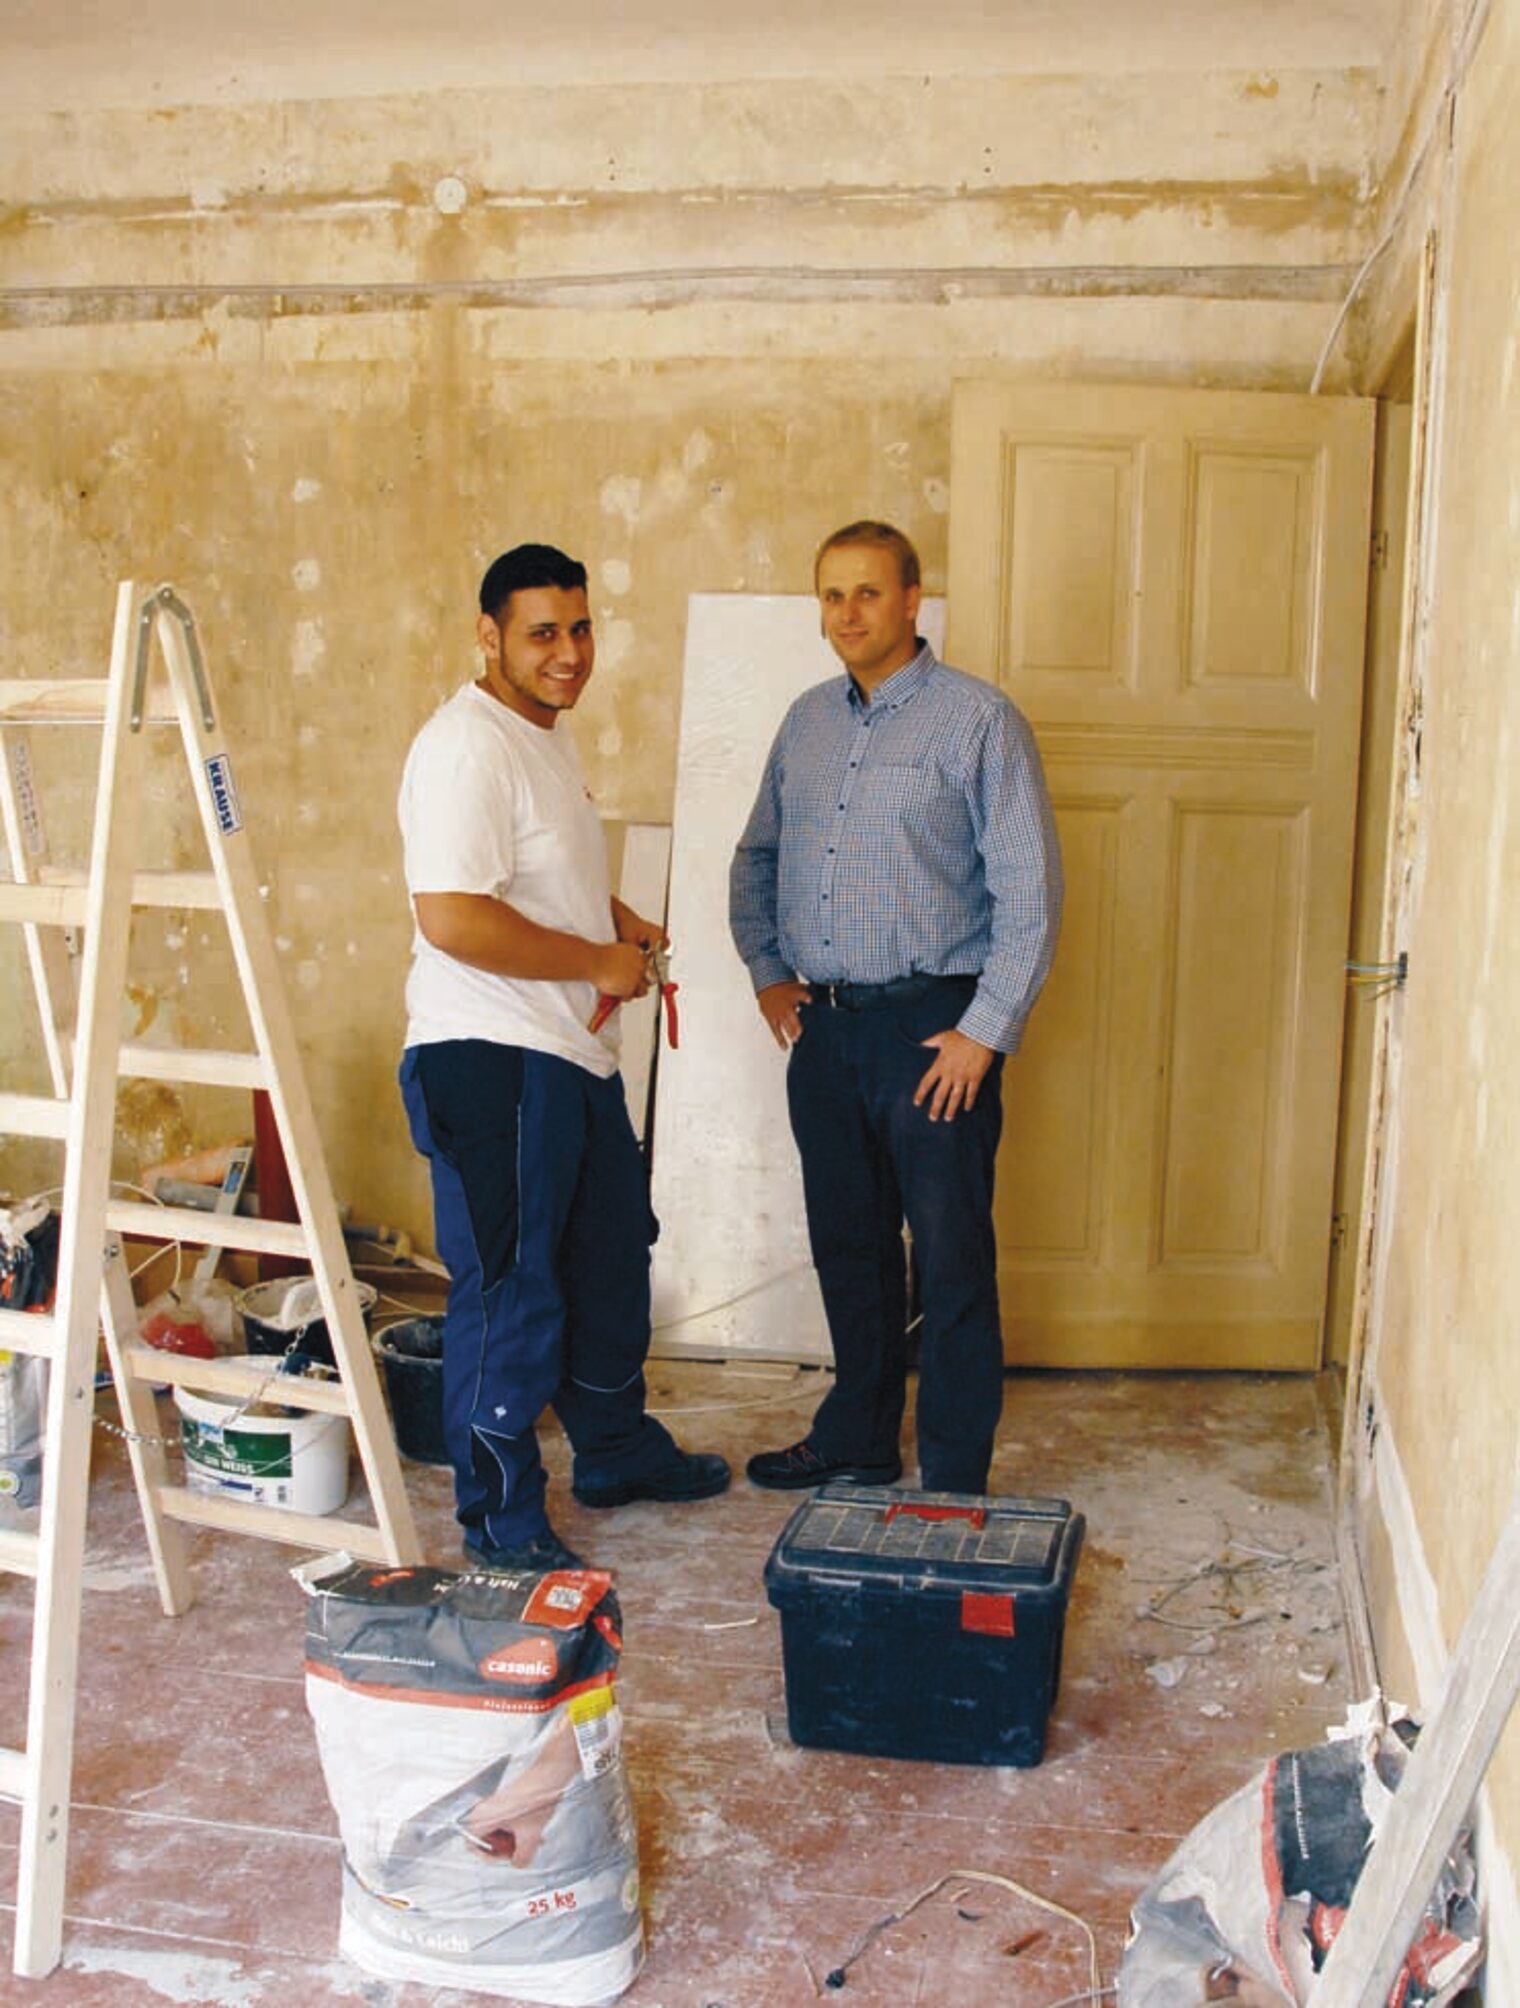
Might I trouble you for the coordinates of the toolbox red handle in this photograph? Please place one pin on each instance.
(977, 1515)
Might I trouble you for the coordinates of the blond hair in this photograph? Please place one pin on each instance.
(883, 537)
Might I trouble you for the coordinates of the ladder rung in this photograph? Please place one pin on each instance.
(33, 1115)
(48, 905)
(18, 1551)
(187, 1063)
(197, 890)
(29, 1332)
(70, 700)
(277, 1523)
(239, 1376)
(13, 1778)
(59, 898)
(207, 1230)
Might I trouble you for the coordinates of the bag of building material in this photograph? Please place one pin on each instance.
(1249, 1905)
(23, 1411)
(471, 1743)
(28, 1282)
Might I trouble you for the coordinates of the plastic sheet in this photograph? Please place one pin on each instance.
(1247, 1908)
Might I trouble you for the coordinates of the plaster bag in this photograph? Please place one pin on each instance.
(23, 1413)
(471, 1744)
(1249, 1905)
(28, 1281)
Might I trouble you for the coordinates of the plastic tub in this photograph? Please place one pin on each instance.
(286, 1316)
(297, 1460)
(411, 1363)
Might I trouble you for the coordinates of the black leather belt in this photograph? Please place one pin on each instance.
(872, 996)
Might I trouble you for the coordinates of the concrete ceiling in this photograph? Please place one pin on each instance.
(79, 53)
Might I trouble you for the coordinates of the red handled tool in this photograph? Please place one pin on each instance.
(661, 960)
(659, 968)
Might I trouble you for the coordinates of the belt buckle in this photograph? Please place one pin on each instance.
(831, 992)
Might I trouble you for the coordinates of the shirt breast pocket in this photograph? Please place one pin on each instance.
(911, 792)
(889, 781)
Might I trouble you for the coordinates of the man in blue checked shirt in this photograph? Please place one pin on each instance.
(896, 897)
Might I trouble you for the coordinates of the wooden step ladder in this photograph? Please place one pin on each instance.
(157, 685)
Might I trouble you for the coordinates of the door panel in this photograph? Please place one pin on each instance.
(1171, 584)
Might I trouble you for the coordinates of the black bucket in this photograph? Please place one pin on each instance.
(411, 1359)
(267, 1330)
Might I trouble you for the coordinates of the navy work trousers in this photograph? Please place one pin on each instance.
(541, 1213)
(869, 1160)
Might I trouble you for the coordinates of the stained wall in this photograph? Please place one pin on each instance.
(316, 362)
(1437, 1403)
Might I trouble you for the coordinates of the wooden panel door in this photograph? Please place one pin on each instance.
(1172, 585)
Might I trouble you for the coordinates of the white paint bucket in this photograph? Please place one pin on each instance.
(297, 1460)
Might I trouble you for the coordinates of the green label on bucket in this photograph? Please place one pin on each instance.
(238, 1452)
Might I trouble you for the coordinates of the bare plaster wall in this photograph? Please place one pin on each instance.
(1440, 1384)
(683, 331)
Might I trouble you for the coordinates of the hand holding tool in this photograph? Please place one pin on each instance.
(659, 973)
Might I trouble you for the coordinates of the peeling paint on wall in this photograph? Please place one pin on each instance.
(682, 333)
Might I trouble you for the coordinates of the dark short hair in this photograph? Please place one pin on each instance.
(885, 537)
(524, 567)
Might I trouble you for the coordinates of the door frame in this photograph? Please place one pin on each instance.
(1408, 369)
(1388, 583)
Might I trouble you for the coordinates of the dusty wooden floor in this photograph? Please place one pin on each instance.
(204, 1864)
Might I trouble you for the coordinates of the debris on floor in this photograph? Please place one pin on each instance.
(1249, 1905)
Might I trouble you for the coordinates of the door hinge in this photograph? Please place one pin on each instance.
(1338, 1226)
(1380, 550)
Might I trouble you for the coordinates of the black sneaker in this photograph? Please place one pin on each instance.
(800, 1465)
(684, 1475)
(535, 1557)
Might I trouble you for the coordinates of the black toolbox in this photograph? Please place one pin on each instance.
(923, 1624)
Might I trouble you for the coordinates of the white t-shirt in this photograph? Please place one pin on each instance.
(492, 804)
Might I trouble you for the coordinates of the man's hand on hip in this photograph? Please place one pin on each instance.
(951, 1083)
(778, 1007)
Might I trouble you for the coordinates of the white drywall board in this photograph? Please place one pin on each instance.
(732, 1273)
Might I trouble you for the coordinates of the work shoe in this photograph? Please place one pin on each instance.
(534, 1557)
(800, 1464)
(682, 1476)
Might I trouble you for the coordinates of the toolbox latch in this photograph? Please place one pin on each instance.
(977, 1515)
(988, 1615)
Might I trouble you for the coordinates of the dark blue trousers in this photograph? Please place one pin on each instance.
(541, 1214)
(870, 1159)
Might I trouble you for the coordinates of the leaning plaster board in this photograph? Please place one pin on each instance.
(732, 1273)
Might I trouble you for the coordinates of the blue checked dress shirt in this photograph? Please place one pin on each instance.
(908, 835)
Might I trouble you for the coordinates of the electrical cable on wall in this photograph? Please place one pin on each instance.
(1472, 35)
(1376, 979)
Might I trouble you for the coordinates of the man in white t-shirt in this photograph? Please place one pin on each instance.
(540, 1200)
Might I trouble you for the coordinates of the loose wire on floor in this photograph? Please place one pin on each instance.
(739, 1297)
(837, 1978)
(779, 1400)
(1263, 1570)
